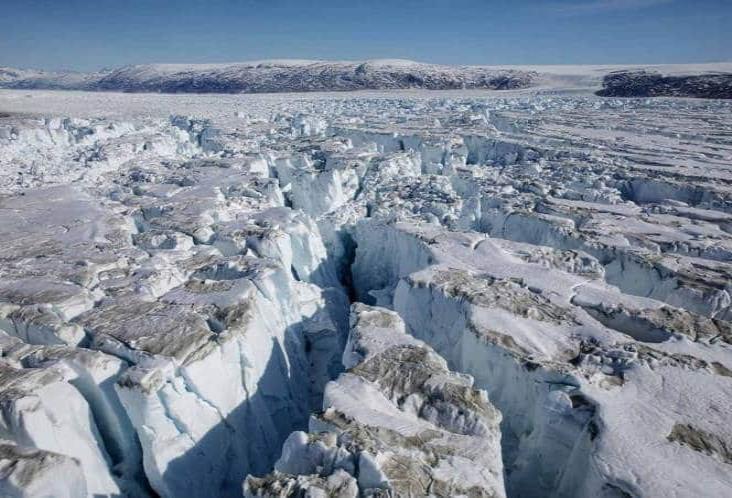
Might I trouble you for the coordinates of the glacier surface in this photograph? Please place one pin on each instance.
(373, 294)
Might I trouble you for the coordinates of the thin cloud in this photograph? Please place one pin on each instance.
(600, 6)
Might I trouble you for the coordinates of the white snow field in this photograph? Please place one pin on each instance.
(522, 293)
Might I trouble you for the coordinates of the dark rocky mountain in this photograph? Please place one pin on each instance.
(654, 84)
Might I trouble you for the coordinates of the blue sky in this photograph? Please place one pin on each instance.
(91, 34)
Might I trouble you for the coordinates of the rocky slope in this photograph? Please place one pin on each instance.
(50, 80)
(654, 84)
(275, 76)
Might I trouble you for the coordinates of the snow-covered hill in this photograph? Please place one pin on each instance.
(292, 75)
(48, 80)
(275, 76)
(303, 76)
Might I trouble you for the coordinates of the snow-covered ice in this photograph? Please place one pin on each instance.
(522, 294)
(398, 421)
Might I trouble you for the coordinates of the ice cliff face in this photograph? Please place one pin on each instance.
(397, 422)
(196, 346)
(530, 336)
(351, 296)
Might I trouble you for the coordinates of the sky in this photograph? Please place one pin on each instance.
(93, 34)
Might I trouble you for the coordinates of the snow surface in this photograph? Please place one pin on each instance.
(522, 294)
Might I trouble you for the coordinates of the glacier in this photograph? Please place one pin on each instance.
(508, 293)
